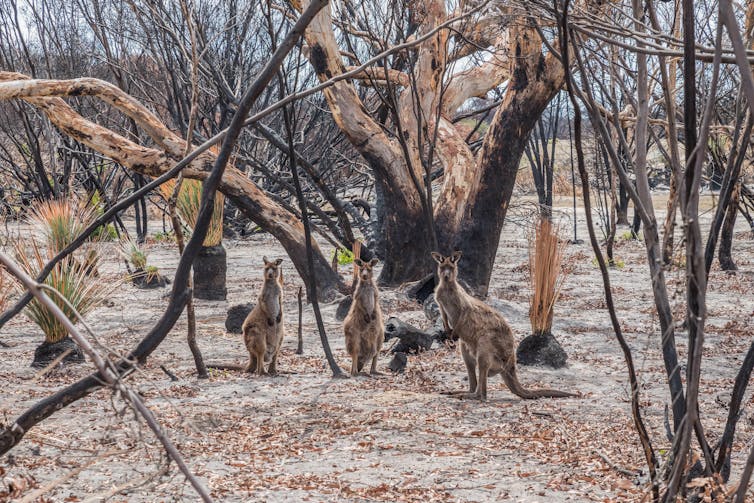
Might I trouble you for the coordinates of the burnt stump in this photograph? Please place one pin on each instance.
(47, 352)
(541, 349)
(236, 316)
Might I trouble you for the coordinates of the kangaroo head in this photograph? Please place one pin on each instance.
(365, 268)
(447, 267)
(272, 270)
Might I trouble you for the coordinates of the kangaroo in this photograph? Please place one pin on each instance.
(263, 327)
(363, 325)
(486, 339)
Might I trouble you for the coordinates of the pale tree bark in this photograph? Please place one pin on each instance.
(247, 196)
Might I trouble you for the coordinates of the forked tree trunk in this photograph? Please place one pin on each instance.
(470, 210)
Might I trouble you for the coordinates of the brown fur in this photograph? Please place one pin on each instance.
(263, 328)
(363, 326)
(486, 339)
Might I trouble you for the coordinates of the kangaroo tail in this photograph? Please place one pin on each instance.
(511, 380)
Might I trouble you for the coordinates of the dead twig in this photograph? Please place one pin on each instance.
(34, 495)
(623, 471)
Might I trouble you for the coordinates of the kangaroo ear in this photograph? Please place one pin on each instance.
(265, 260)
(358, 262)
(455, 256)
(279, 261)
(373, 262)
(438, 257)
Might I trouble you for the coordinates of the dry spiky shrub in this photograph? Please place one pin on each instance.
(187, 206)
(546, 274)
(75, 281)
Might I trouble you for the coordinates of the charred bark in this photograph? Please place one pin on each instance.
(405, 245)
(536, 80)
(725, 253)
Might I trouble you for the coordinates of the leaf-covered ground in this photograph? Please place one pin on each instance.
(303, 436)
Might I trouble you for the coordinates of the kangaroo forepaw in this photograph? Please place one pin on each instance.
(270, 321)
(279, 318)
(367, 318)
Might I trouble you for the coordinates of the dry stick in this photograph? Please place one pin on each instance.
(669, 352)
(732, 171)
(635, 409)
(642, 185)
(10, 437)
(696, 283)
(747, 82)
(312, 279)
(32, 496)
(201, 368)
(127, 486)
(300, 348)
(722, 464)
(669, 83)
(105, 369)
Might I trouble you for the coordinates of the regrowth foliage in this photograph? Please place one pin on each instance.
(74, 281)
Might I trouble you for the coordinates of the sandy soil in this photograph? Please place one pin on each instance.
(303, 436)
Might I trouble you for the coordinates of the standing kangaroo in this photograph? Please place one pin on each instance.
(263, 328)
(486, 340)
(363, 325)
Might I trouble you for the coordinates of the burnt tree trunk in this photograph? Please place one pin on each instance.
(404, 240)
(470, 209)
(725, 253)
(536, 80)
(622, 206)
(210, 270)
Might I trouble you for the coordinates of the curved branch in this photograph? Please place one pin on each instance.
(475, 82)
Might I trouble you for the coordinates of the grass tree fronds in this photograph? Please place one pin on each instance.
(61, 220)
(546, 274)
(188, 207)
(135, 254)
(75, 281)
